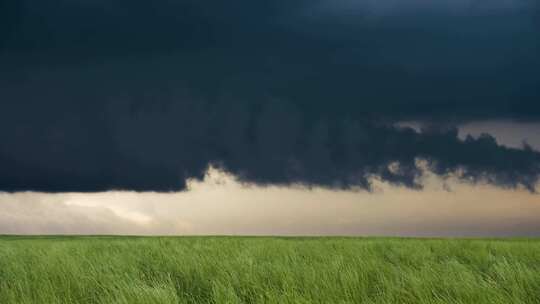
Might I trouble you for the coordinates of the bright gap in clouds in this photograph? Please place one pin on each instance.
(220, 205)
(507, 132)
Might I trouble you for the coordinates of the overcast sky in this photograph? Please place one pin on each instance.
(111, 110)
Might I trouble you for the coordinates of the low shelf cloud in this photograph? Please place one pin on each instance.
(99, 98)
(158, 146)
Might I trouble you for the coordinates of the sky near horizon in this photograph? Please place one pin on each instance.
(343, 117)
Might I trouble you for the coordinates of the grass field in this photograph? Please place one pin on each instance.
(267, 270)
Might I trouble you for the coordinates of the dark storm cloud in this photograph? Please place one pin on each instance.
(99, 95)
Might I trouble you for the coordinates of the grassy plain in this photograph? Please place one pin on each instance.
(267, 270)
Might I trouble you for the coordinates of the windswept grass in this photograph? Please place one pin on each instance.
(267, 270)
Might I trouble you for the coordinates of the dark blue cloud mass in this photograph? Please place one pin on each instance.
(98, 95)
